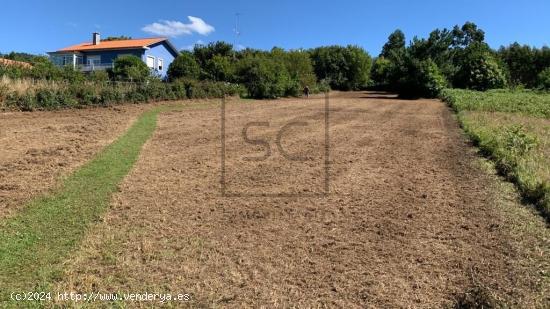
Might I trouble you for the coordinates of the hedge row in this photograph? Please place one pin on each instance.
(77, 95)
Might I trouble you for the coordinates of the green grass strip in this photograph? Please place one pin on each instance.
(35, 242)
(506, 144)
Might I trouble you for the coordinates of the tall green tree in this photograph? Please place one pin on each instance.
(468, 34)
(479, 69)
(215, 60)
(395, 46)
(344, 68)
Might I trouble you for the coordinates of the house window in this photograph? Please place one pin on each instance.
(151, 62)
(160, 64)
(94, 60)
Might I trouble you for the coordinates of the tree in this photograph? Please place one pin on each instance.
(467, 35)
(419, 78)
(395, 45)
(344, 68)
(520, 61)
(544, 79)
(184, 66)
(219, 68)
(203, 53)
(380, 72)
(130, 68)
(24, 57)
(264, 77)
(215, 69)
(429, 79)
(479, 69)
(299, 66)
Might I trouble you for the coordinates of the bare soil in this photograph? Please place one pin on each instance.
(39, 148)
(413, 218)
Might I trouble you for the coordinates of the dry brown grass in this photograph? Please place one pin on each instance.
(9, 62)
(40, 147)
(22, 86)
(412, 221)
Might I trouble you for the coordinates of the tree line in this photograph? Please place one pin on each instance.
(276, 73)
(457, 58)
(447, 58)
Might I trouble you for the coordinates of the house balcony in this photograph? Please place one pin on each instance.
(94, 67)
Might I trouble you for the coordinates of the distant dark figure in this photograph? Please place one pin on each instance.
(306, 92)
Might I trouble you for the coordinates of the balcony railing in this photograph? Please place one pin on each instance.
(95, 67)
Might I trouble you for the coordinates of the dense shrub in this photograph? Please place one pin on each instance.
(130, 68)
(99, 76)
(219, 68)
(300, 67)
(429, 79)
(344, 68)
(380, 72)
(265, 78)
(184, 66)
(543, 79)
(68, 95)
(480, 71)
(423, 79)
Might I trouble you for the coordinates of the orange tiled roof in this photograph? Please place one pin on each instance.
(135, 43)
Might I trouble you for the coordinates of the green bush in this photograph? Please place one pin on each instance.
(344, 68)
(322, 86)
(544, 79)
(518, 141)
(206, 89)
(110, 95)
(479, 70)
(380, 72)
(25, 102)
(300, 67)
(430, 79)
(184, 66)
(178, 89)
(100, 76)
(423, 79)
(219, 68)
(265, 78)
(130, 68)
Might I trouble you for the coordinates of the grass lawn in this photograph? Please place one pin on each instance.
(513, 129)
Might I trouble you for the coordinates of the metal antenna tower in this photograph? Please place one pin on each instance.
(236, 30)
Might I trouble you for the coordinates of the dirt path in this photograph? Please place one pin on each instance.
(412, 220)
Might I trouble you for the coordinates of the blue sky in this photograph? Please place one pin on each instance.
(38, 26)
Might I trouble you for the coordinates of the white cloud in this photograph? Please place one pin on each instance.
(177, 28)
